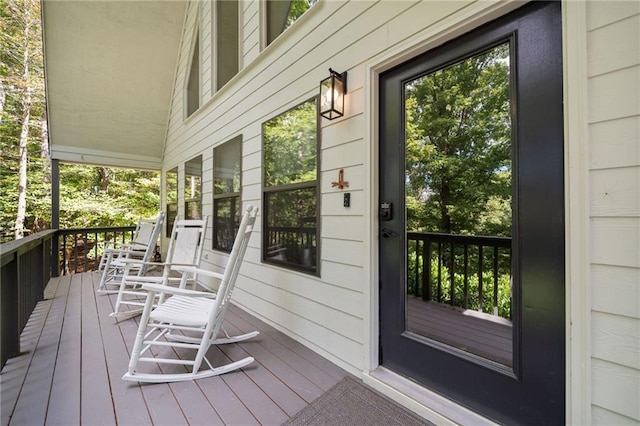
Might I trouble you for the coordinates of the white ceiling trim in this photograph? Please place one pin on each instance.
(73, 154)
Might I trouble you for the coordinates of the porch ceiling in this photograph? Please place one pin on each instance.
(110, 69)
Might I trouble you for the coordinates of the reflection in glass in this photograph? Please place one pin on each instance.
(227, 172)
(171, 194)
(290, 146)
(458, 179)
(291, 227)
(226, 213)
(226, 167)
(193, 188)
(281, 14)
(290, 142)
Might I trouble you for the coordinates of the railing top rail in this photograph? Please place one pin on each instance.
(93, 230)
(23, 245)
(460, 239)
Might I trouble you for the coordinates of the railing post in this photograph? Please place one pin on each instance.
(453, 275)
(465, 292)
(439, 291)
(55, 212)
(480, 267)
(9, 310)
(495, 280)
(426, 270)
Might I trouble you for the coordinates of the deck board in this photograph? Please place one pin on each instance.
(66, 377)
(129, 405)
(75, 355)
(97, 407)
(31, 406)
(483, 337)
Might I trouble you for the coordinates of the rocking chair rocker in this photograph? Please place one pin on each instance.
(194, 312)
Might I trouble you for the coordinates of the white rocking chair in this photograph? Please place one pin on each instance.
(185, 249)
(142, 248)
(195, 312)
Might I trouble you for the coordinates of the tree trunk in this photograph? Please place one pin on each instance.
(105, 176)
(22, 183)
(24, 138)
(44, 137)
(3, 99)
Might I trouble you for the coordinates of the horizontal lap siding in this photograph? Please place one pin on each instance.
(613, 43)
(328, 312)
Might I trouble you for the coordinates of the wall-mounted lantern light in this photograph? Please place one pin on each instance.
(332, 91)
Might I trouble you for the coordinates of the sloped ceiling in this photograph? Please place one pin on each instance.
(110, 68)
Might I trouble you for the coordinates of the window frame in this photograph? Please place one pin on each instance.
(226, 196)
(197, 199)
(171, 203)
(267, 190)
(265, 15)
(193, 78)
(217, 16)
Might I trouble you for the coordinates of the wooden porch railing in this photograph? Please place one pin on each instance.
(25, 270)
(465, 271)
(81, 248)
(294, 246)
(29, 263)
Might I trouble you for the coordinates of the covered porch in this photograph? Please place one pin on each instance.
(73, 356)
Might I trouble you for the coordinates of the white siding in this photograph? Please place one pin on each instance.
(613, 58)
(330, 313)
(327, 312)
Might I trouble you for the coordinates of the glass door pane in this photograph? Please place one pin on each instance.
(458, 179)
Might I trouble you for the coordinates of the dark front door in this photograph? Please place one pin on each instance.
(472, 299)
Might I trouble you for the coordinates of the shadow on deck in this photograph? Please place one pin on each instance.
(74, 356)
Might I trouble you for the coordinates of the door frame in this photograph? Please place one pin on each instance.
(427, 403)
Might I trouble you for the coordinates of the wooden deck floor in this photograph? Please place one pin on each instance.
(74, 355)
(487, 338)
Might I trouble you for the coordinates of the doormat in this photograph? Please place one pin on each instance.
(352, 403)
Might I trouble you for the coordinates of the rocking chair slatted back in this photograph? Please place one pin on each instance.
(142, 247)
(185, 249)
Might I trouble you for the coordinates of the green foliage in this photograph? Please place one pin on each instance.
(296, 9)
(130, 194)
(290, 145)
(458, 147)
(504, 288)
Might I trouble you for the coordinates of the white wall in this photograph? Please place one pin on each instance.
(613, 44)
(327, 312)
(334, 313)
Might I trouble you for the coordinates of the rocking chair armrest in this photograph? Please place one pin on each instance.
(140, 262)
(123, 251)
(159, 288)
(198, 271)
(134, 246)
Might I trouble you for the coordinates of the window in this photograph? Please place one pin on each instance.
(171, 195)
(290, 185)
(227, 172)
(281, 14)
(193, 188)
(225, 42)
(193, 84)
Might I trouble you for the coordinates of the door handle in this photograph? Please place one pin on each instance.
(387, 233)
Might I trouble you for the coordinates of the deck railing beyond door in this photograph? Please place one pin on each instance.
(447, 268)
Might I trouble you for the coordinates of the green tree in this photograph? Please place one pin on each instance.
(87, 201)
(458, 147)
(22, 115)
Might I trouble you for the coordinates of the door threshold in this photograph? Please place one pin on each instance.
(424, 402)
